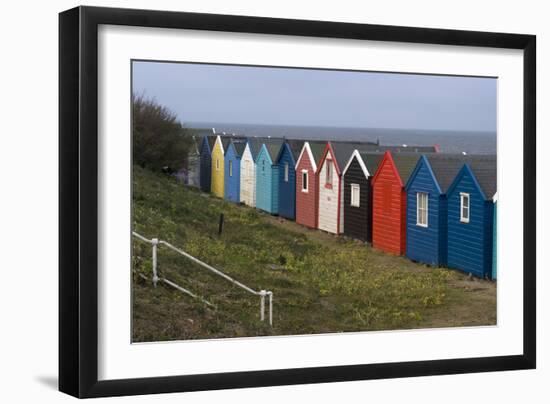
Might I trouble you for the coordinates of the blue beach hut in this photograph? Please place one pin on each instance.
(232, 163)
(286, 161)
(267, 176)
(494, 272)
(470, 211)
(205, 170)
(426, 235)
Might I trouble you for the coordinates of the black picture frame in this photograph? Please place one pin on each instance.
(78, 201)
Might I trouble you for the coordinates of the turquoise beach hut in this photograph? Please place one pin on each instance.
(267, 176)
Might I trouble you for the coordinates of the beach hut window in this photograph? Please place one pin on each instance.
(304, 181)
(231, 168)
(328, 180)
(286, 172)
(355, 195)
(464, 207)
(217, 164)
(263, 165)
(422, 209)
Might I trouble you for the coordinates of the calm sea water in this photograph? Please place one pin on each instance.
(449, 141)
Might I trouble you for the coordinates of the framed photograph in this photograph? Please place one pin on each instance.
(251, 201)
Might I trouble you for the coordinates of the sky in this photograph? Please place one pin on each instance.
(283, 96)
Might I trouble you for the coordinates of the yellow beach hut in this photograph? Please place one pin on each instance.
(218, 152)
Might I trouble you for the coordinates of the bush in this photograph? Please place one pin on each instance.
(159, 139)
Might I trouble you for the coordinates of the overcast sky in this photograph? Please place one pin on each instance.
(279, 96)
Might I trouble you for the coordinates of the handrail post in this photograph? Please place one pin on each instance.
(270, 308)
(155, 243)
(262, 304)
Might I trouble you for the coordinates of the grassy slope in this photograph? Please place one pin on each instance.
(321, 283)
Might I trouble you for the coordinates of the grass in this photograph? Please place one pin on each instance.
(321, 283)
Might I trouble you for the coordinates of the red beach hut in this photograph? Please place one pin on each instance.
(389, 207)
(306, 183)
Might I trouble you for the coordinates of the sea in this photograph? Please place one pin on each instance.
(449, 141)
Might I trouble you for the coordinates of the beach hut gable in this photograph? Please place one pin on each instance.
(387, 163)
(357, 156)
(423, 164)
(467, 171)
(329, 153)
(306, 149)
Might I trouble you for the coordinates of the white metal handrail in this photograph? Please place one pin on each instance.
(262, 293)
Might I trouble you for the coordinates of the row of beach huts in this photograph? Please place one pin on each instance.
(434, 208)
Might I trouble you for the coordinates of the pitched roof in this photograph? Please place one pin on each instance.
(225, 142)
(255, 144)
(273, 145)
(371, 160)
(485, 169)
(317, 149)
(239, 148)
(295, 146)
(405, 164)
(344, 150)
(446, 167)
(211, 140)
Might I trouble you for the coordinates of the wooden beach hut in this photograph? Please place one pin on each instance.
(426, 235)
(390, 201)
(248, 171)
(357, 176)
(218, 171)
(494, 272)
(267, 176)
(470, 219)
(205, 171)
(286, 160)
(306, 183)
(232, 175)
(329, 177)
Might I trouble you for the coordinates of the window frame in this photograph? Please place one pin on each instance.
(328, 172)
(306, 189)
(420, 210)
(357, 188)
(465, 219)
